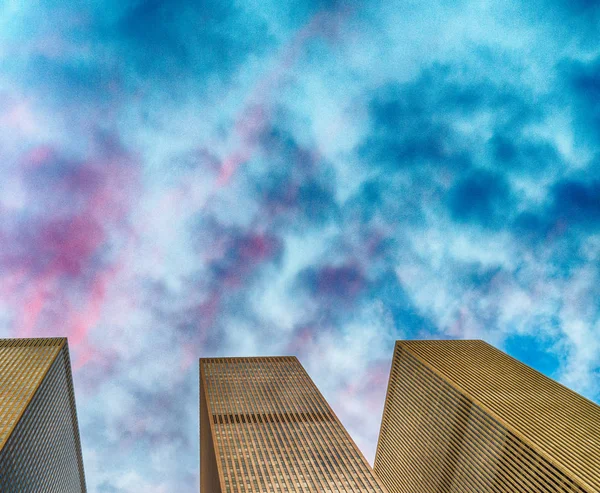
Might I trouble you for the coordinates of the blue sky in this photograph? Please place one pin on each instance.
(319, 178)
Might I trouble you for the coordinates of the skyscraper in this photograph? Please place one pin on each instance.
(265, 427)
(463, 416)
(40, 451)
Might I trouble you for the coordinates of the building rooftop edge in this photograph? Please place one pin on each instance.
(399, 341)
(233, 358)
(33, 341)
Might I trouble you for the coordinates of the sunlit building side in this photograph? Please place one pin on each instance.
(265, 427)
(463, 416)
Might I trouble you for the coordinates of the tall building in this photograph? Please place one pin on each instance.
(265, 427)
(462, 416)
(40, 451)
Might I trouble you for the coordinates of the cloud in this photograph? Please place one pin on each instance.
(315, 178)
(341, 283)
(481, 197)
(578, 202)
(582, 80)
(62, 246)
(405, 132)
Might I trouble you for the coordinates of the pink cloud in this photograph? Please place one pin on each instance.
(257, 110)
(64, 256)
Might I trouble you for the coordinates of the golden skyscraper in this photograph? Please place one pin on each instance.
(40, 451)
(265, 427)
(462, 416)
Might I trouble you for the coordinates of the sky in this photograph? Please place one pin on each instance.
(317, 178)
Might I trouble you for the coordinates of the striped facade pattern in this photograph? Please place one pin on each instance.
(265, 427)
(40, 448)
(462, 416)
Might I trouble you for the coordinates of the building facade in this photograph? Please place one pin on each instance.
(265, 427)
(462, 416)
(40, 450)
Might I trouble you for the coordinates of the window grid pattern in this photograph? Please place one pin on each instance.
(274, 432)
(41, 452)
(462, 416)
